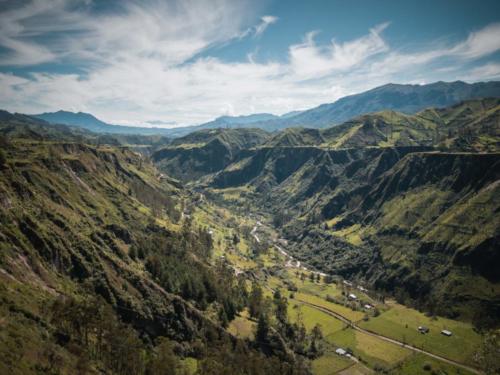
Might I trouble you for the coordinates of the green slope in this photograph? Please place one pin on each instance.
(101, 272)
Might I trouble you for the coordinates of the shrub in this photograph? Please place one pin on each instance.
(3, 158)
(427, 366)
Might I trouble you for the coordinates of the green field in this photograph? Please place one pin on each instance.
(342, 310)
(401, 323)
(320, 289)
(312, 316)
(418, 364)
(357, 369)
(330, 364)
(369, 349)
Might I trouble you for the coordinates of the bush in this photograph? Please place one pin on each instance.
(427, 367)
(3, 158)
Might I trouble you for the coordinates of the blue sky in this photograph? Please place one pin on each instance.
(186, 62)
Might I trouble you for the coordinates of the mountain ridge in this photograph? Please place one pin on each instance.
(405, 98)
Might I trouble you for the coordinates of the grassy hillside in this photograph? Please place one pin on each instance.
(101, 271)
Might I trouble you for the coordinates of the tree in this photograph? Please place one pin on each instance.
(3, 158)
(164, 360)
(488, 355)
(281, 308)
(255, 301)
(236, 239)
(316, 341)
(262, 331)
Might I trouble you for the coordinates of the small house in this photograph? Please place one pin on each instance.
(446, 332)
(368, 306)
(340, 351)
(352, 296)
(423, 330)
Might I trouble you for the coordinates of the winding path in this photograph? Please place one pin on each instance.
(388, 339)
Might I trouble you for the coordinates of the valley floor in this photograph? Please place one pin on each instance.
(377, 335)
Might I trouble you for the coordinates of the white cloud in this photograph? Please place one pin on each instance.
(264, 24)
(489, 71)
(479, 43)
(311, 61)
(141, 63)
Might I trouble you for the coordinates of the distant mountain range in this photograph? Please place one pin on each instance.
(90, 122)
(402, 98)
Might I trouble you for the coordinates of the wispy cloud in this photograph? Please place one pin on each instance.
(142, 62)
(264, 24)
(309, 60)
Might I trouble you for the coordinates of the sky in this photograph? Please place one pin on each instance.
(182, 62)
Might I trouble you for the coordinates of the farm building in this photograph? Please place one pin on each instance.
(352, 296)
(340, 351)
(423, 329)
(446, 332)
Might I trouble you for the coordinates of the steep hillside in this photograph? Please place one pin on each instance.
(100, 273)
(296, 137)
(206, 151)
(260, 158)
(428, 230)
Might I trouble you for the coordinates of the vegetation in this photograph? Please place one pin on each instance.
(107, 264)
(98, 235)
(402, 323)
